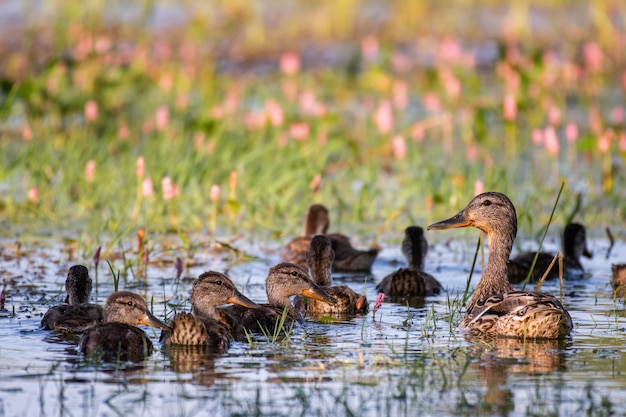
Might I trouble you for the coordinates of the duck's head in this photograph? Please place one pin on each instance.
(491, 212)
(78, 285)
(316, 221)
(130, 308)
(414, 246)
(319, 259)
(286, 279)
(212, 289)
(575, 241)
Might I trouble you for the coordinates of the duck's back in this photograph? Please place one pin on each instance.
(408, 282)
(349, 303)
(116, 341)
(72, 318)
(188, 330)
(262, 319)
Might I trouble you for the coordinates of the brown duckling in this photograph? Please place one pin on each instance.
(619, 279)
(204, 327)
(319, 258)
(347, 258)
(117, 338)
(283, 281)
(411, 281)
(77, 315)
(574, 240)
(494, 309)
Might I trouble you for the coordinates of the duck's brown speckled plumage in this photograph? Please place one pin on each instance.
(495, 310)
(117, 338)
(347, 258)
(205, 327)
(283, 281)
(78, 314)
(411, 281)
(319, 260)
(618, 282)
(574, 241)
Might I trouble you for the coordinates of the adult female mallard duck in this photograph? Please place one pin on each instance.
(77, 314)
(494, 309)
(117, 338)
(319, 258)
(574, 242)
(411, 281)
(283, 281)
(204, 327)
(347, 258)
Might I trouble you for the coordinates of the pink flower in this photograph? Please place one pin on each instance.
(91, 111)
(123, 132)
(33, 194)
(551, 141)
(322, 138)
(140, 167)
(622, 142)
(147, 189)
(90, 170)
(618, 114)
(571, 132)
(370, 48)
(472, 152)
(217, 112)
(166, 82)
(554, 115)
(96, 257)
(27, 133)
(537, 136)
(449, 51)
(398, 147)
(400, 63)
(509, 107)
(450, 82)
(383, 117)
(290, 63)
(379, 301)
(417, 132)
(400, 94)
(274, 112)
(479, 187)
(604, 141)
(299, 131)
(170, 190)
(214, 194)
(593, 56)
(162, 117)
(431, 102)
(255, 120)
(178, 265)
(309, 104)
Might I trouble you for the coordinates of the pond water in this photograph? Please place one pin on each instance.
(399, 361)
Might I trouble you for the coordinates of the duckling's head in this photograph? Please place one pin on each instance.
(491, 212)
(287, 279)
(130, 308)
(78, 285)
(316, 221)
(575, 241)
(414, 247)
(319, 258)
(212, 289)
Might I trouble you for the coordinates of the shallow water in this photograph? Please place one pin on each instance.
(398, 361)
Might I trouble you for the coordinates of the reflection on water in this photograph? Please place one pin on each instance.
(403, 360)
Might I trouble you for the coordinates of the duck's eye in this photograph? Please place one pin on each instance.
(218, 282)
(294, 273)
(487, 203)
(130, 303)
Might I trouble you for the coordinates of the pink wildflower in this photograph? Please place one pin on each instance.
(383, 118)
(122, 131)
(170, 190)
(370, 48)
(274, 112)
(379, 301)
(299, 131)
(398, 147)
(147, 188)
(551, 141)
(554, 115)
(622, 142)
(509, 107)
(604, 141)
(400, 94)
(431, 102)
(571, 132)
(537, 136)
(90, 170)
(96, 257)
(178, 265)
(27, 133)
(214, 194)
(472, 152)
(162, 117)
(290, 63)
(91, 111)
(33, 194)
(479, 187)
(618, 114)
(232, 181)
(593, 56)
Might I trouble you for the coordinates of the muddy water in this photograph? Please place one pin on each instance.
(400, 361)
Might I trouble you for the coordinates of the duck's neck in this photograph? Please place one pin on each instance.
(205, 313)
(494, 279)
(321, 271)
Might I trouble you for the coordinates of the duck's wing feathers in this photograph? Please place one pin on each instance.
(408, 282)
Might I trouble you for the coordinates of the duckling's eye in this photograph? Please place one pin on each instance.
(487, 203)
(294, 273)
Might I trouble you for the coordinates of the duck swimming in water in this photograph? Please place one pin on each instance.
(574, 242)
(494, 309)
(319, 258)
(347, 258)
(78, 314)
(204, 327)
(117, 338)
(618, 282)
(283, 281)
(411, 281)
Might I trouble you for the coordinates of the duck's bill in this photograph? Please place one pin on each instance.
(150, 320)
(460, 220)
(242, 300)
(317, 293)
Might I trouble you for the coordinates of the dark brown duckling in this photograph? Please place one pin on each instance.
(411, 281)
(204, 327)
(117, 338)
(619, 279)
(347, 258)
(574, 241)
(78, 314)
(494, 309)
(283, 281)
(319, 258)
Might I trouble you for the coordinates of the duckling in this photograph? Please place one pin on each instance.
(319, 258)
(574, 242)
(494, 309)
(347, 258)
(619, 279)
(204, 327)
(411, 281)
(283, 281)
(78, 314)
(117, 338)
